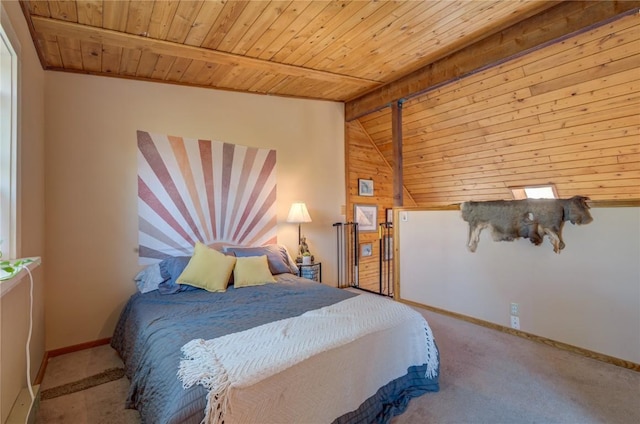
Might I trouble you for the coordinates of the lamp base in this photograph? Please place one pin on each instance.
(299, 260)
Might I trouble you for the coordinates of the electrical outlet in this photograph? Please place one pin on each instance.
(515, 309)
(404, 216)
(515, 322)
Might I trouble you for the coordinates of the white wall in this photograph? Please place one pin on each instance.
(587, 296)
(14, 307)
(91, 181)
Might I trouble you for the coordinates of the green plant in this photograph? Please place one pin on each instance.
(11, 268)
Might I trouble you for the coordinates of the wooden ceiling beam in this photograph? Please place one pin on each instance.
(528, 34)
(145, 44)
(396, 136)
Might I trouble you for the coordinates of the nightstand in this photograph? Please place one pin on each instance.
(312, 271)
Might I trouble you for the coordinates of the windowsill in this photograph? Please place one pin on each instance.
(7, 285)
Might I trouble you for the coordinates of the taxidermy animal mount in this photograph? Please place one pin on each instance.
(530, 218)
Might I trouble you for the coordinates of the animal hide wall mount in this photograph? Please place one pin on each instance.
(529, 218)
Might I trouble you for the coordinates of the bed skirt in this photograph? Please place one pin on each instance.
(393, 399)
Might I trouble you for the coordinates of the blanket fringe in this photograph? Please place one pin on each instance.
(217, 405)
(432, 352)
(201, 365)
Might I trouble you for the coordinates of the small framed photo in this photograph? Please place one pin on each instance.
(387, 245)
(366, 216)
(365, 187)
(366, 249)
(389, 215)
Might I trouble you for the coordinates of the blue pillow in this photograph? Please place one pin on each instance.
(170, 270)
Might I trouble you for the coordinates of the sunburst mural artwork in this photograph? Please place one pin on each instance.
(202, 190)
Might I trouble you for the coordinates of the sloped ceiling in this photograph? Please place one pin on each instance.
(467, 132)
(566, 114)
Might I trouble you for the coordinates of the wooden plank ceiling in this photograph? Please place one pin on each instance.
(566, 114)
(497, 94)
(332, 50)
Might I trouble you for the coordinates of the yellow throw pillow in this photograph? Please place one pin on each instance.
(207, 269)
(252, 271)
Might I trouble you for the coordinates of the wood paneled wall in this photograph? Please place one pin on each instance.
(365, 161)
(566, 114)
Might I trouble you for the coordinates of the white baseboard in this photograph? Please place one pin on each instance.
(24, 411)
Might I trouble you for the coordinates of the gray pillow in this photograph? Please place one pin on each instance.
(277, 256)
(170, 269)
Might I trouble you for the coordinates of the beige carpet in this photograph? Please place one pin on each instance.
(486, 377)
(100, 404)
(104, 377)
(493, 377)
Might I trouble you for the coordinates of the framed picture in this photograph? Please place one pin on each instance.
(366, 216)
(365, 187)
(389, 215)
(387, 245)
(366, 249)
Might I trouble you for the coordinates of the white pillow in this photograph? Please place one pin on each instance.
(148, 279)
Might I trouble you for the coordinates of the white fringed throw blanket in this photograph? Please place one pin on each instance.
(242, 359)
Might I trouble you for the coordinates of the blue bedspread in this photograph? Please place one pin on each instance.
(153, 327)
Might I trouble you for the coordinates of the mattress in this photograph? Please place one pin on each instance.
(153, 328)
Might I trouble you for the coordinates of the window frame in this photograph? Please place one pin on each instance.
(520, 193)
(9, 138)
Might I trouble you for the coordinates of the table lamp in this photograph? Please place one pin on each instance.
(297, 215)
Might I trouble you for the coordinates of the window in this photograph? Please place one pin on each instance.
(534, 192)
(8, 137)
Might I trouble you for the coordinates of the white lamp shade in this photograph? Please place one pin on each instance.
(298, 213)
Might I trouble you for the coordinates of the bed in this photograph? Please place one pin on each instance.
(368, 378)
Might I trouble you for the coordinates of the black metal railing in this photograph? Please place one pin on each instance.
(386, 258)
(347, 251)
(347, 248)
